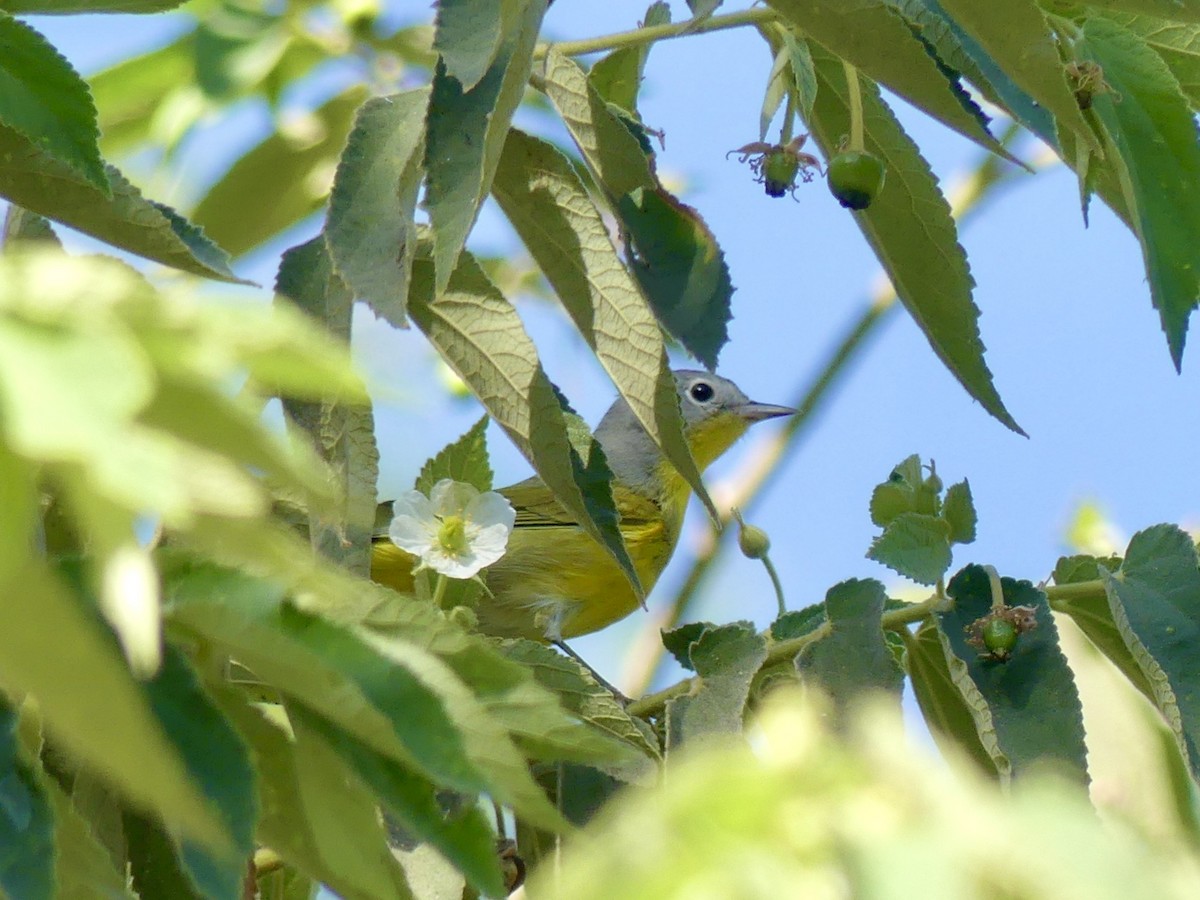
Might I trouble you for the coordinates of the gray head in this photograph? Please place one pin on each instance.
(715, 414)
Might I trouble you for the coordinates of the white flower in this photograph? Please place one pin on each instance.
(456, 530)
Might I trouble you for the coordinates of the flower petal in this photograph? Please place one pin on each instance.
(413, 503)
(490, 543)
(463, 565)
(450, 498)
(491, 508)
(416, 534)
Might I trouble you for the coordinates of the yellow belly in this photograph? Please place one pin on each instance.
(553, 582)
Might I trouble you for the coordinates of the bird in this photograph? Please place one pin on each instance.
(555, 581)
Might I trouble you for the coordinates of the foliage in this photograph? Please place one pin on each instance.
(201, 692)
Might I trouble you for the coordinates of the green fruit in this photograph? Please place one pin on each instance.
(855, 178)
(779, 171)
(1000, 636)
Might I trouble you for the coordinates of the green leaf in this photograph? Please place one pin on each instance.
(1173, 10)
(465, 133)
(910, 228)
(680, 269)
(235, 48)
(915, 545)
(1155, 603)
(1155, 136)
(946, 712)
(726, 659)
(24, 227)
(1178, 44)
(468, 35)
(280, 179)
(154, 869)
(1018, 38)
(129, 93)
(853, 659)
(43, 98)
(614, 154)
(678, 641)
(870, 35)
(369, 228)
(798, 622)
(464, 838)
(32, 178)
(617, 77)
(464, 460)
(544, 199)
(60, 7)
(1031, 696)
(480, 335)
(958, 510)
(217, 762)
(83, 867)
(315, 813)
(38, 617)
(27, 822)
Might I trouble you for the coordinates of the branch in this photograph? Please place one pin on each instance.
(649, 34)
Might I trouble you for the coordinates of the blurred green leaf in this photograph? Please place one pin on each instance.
(726, 658)
(1154, 133)
(43, 98)
(32, 178)
(83, 867)
(1155, 602)
(1178, 44)
(911, 230)
(915, 545)
(1018, 38)
(959, 512)
(218, 763)
(613, 152)
(28, 845)
(235, 46)
(680, 268)
(59, 7)
(38, 618)
(281, 180)
(1031, 697)
(480, 335)
(617, 77)
(369, 229)
(24, 227)
(464, 460)
(871, 36)
(465, 133)
(153, 867)
(130, 94)
(852, 659)
(463, 836)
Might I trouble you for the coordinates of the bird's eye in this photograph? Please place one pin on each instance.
(701, 391)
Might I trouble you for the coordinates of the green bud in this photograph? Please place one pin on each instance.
(753, 541)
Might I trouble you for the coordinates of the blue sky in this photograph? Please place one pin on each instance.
(1073, 341)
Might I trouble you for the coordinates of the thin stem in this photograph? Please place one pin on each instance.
(996, 587)
(439, 590)
(854, 95)
(789, 119)
(651, 33)
(1060, 595)
(770, 566)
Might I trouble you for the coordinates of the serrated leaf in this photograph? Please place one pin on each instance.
(481, 336)
(83, 867)
(614, 154)
(464, 837)
(38, 617)
(870, 35)
(581, 695)
(369, 227)
(680, 268)
(910, 228)
(31, 178)
(958, 509)
(314, 814)
(43, 98)
(915, 545)
(549, 207)
(1017, 37)
(217, 762)
(798, 622)
(804, 79)
(726, 659)
(1177, 43)
(1031, 696)
(617, 77)
(1174, 10)
(853, 659)
(946, 712)
(889, 500)
(280, 179)
(24, 227)
(465, 133)
(1155, 603)
(678, 641)
(27, 822)
(1154, 132)
(468, 34)
(465, 460)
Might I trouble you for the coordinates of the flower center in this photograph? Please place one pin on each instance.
(452, 535)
